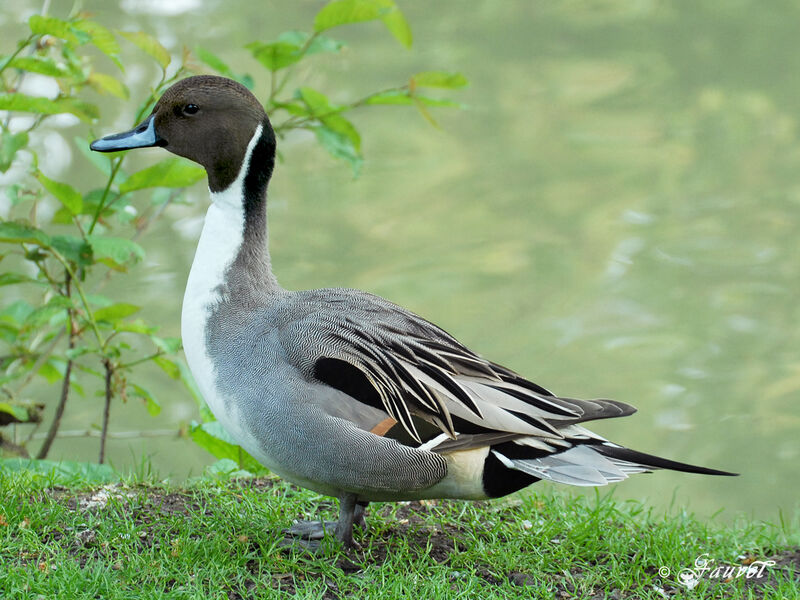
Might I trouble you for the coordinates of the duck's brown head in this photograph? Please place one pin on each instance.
(205, 118)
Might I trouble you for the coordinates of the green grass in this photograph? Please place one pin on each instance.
(221, 538)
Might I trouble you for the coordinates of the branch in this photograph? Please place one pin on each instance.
(62, 401)
(106, 410)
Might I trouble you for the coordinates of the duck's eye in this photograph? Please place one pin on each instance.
(190, 109)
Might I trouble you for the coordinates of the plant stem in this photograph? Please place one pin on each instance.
(139, 361)
(62, 401)
(106, 410)
(106, 190)
(22, 45)
(116, 435)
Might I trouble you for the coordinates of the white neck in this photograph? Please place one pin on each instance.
(220, 243)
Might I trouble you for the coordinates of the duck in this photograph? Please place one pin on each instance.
(338, 390)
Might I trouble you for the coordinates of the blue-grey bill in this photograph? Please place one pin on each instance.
(142, 136)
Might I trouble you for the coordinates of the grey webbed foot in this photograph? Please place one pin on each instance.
(310, 530)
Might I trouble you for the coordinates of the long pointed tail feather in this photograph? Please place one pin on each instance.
(656, 462)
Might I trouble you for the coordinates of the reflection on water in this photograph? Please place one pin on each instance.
(616, 215)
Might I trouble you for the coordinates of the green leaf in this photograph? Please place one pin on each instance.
(37, 64)
(275, 56)
(115, 252)
(106, 84)
(170, 172)
(216, 63)
(11, 231)
(153, 406)
(73, 353)
(64, 193)
(226, 469)
(52, 26)
(339, 146)
(404, 97)
(56, 306)
(73, 248)
(316, 101)
(135, 326)
(441, 79)
(14, 278)
(45, 106)
(191, 387)
(213, 438)
(101, 38)
(318, 44)
(397, 25)
(169, 345)
(62, 472)
(9, 146)
(115, 312)
(342, 12)
(16, 312)
(50, 372)
(148, 44)
(168, 366)
(390, 97)
(16, 414)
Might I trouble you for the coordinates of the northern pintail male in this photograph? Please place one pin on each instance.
(338, 390)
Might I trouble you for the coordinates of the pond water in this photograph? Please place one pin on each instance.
(615, 214)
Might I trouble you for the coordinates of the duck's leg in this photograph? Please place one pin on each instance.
(347, 517)
(350, 513)
(359, 519)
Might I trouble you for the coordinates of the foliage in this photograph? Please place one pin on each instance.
(61, 329)
(222, 538)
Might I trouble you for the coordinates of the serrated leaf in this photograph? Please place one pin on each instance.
(147, 43)
(441, 79)
(213, 438)
(73, 248)
(106, 84)
(168, 366)
(11, 231)
(37, 64)
(64, 193)
(343, 12)
(53, 26)
(339, 146)
(23, 103)
(153, 406)
(115, 312)
(115, 252)
(9, 146)
(170, 172)
(102, 38)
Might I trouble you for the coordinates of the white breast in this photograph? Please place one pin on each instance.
(218, 247)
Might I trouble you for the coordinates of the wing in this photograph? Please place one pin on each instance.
(386, 357)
